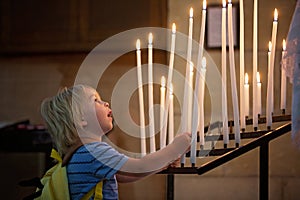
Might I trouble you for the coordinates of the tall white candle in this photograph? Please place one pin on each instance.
(258, 93)
(255, 117)
(189, 66)
(141, 99)
(150, 95)
(268, 106)
(185, 112)
(190, 97)
(246, 93)
(187, 75)
(233, 76)
(198, 110)
(283, 79)
(224, 78)
(169, 81)
(171, 115)
(202, 33)
(274, 34)
(200, 63)
(201, 102)
(242, 66)
(162, 110)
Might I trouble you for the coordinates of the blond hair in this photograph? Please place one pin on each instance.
(63, 114)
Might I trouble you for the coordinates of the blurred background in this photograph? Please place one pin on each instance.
(42, 45)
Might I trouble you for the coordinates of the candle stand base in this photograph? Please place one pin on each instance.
(261, 139)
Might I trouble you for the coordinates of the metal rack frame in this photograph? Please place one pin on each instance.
(227, 154)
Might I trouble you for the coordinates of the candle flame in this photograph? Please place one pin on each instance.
(283, 44)
(246, 79)
(270, 46)
(150, 38)
(163, 81)
(258, 77)
(229, 1)
(191, 67)
(204, 4)
(191, 12)
(224, 3)
(173, 28)
(171, 89)
(204, 62)
(275, 15)
(138, 44)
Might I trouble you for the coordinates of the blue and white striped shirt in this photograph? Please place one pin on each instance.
(91, 164)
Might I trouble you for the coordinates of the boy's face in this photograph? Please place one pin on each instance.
(103, 113)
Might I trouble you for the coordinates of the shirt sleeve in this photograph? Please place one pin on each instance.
(110, 159)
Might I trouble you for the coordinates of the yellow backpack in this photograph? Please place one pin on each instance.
(54, 184)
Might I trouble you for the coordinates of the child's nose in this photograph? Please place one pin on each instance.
(106, 104)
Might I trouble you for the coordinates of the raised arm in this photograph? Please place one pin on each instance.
(135, 169)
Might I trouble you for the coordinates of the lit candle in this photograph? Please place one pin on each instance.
(242, 66)
(255, 117)
(246, 93)
(268, 106)
(169, 81)
(283, 79)
(224, 79)
(162, 110)
(171, 115)
(141, 99)
(150, 91)
(184, 117)
(258, 93)
(272, 61)
(232, 77)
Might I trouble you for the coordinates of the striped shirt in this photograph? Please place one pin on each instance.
(92, 163)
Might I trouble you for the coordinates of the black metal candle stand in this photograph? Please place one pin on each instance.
(260, 139)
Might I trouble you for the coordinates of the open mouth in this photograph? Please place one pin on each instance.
(109, 114)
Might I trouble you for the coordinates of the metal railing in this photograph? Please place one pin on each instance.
(261, 142)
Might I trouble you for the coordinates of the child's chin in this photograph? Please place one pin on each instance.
(109, 129)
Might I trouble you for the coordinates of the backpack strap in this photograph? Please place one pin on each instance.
(97, 190)
(54, 154)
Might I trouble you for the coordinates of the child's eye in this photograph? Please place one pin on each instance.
(98, 101)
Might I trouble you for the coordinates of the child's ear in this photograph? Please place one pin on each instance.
(83, 122)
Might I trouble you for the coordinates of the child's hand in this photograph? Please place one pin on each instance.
(179, 140)
(176, 163)
(189, 134)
